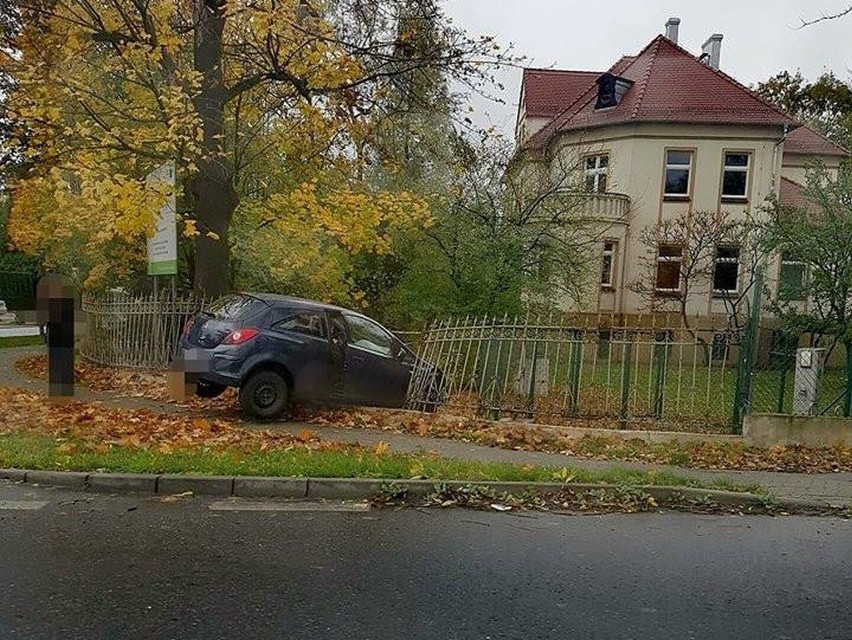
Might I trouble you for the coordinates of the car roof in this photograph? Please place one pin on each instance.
(290, 301)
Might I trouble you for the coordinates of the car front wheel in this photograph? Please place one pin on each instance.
(264, 394)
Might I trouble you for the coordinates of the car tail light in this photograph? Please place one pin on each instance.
(240, 336)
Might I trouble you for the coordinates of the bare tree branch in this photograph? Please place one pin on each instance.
(825, 17)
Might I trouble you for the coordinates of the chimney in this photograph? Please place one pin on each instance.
(711, 51)
(671, 29)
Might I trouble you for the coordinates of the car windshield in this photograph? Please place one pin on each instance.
(235, 307)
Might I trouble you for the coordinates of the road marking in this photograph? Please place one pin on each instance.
(237, 505)
(21, 505)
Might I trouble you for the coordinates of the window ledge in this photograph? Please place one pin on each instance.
(677, 199)
(725, 295)
(608, 288)
(734, 200)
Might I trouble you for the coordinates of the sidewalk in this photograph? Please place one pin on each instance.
(835, 488)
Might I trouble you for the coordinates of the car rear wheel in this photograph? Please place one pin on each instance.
(264, 395)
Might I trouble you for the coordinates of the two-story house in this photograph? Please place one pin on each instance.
(665, 133)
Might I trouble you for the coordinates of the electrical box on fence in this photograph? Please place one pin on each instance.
(809, 363)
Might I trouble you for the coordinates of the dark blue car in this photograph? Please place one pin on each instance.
(277, 349)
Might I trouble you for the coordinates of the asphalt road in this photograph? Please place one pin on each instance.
(82, 566)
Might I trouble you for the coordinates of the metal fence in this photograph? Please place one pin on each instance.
(568, 368)
(824, 386)
(137, 331)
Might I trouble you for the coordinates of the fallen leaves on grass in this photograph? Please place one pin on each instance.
(96, 428)
(125, 382)
(596, 401)
(696, 455)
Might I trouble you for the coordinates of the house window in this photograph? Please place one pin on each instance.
(727, 270)
(669, 261)
(678, 167)
(791, 280)
(608, 269)
(735, 176)
(596, 170)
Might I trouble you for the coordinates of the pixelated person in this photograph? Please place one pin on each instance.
(55, 307)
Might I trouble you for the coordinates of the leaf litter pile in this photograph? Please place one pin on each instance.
(696, 455)
(93, 427)
(513, 436)
(127, 382)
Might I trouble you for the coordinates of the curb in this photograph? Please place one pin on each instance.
(348, 488)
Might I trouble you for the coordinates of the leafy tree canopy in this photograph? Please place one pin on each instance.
(272, 111)
(825, 103)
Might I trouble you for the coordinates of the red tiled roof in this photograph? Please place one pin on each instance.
(791, 194)
(546, 91)
(807, 141)
(621, 65)
(669, 85)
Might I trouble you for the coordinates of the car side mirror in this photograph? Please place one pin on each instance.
(397, 350)
(403, 353)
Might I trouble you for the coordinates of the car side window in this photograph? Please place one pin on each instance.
(369, 336)
(307, 323)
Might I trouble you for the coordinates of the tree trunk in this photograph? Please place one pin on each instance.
(215, 198)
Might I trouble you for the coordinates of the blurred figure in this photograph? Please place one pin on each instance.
(55, 306)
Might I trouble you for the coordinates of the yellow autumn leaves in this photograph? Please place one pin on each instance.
(100, 111)
(311, 234)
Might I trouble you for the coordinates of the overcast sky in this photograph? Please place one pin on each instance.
(761, 36)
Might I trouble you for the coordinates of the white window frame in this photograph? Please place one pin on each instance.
(608, 277)
(666, 259)
(727, 260)
(677, 166)
(596, 172)
(736, 169)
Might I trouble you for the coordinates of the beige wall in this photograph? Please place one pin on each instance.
(637, 169)
(769, 430)
(795, 166)
(528, 127)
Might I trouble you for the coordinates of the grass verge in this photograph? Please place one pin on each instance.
(7, 342)
(35, 451)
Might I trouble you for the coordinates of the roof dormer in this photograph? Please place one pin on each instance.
(611, 89)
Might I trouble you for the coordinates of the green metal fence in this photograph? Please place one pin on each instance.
(559, 370)
(773, 376)
(566, 370)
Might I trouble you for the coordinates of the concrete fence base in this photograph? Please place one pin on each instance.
(768, 430)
